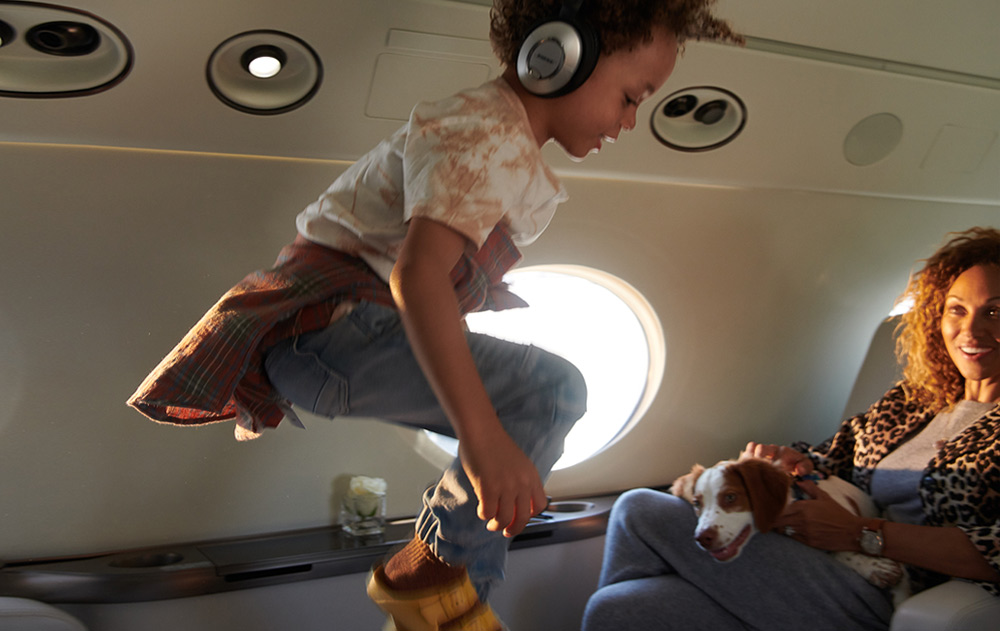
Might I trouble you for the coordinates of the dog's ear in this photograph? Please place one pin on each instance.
(683, 487)
(768, 489)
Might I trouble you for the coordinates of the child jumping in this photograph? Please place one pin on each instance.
(362, 315)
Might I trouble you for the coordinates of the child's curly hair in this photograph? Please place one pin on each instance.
(929, 376)
(621, 24)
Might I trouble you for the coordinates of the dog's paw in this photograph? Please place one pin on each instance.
(878, 571)
(885, 573)
(683, 487)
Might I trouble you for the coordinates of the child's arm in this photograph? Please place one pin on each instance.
(506, 482)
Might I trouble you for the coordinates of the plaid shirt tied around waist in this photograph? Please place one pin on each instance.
(216, 372)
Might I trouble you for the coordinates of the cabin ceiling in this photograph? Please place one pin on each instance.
(380, 56)
(959, 36)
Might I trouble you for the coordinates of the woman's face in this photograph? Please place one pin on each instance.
(971, 330)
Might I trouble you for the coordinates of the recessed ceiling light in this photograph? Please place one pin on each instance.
(53, 51)
(264, 72)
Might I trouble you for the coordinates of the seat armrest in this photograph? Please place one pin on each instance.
(24, 614)
(953, 606)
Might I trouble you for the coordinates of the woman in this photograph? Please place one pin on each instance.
(928, 452)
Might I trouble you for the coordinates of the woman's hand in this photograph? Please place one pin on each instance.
(820, 522)
(789, 460)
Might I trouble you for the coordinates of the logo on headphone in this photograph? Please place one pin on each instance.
(558, 54)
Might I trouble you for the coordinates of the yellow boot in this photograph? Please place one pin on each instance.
(453, 606)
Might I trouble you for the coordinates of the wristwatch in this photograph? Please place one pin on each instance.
(871, 538)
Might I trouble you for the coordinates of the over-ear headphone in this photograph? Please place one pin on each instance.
(559, 53)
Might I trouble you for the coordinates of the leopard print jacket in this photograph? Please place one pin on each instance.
(960, 486)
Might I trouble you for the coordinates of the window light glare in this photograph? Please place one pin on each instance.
(903, 306)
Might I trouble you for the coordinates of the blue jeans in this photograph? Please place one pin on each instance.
(654, 576)
(362, 365)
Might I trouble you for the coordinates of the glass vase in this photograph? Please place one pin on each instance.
(363, 515)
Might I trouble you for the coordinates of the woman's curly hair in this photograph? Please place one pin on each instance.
(620, 24)
(929, 376)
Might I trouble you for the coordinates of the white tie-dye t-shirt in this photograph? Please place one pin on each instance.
(469, 161)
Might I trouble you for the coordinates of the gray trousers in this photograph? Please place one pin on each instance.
(655, 578)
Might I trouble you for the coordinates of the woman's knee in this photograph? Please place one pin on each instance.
(637, 500)
(635, 605)
(650, 513)
(648, 504)
(619, 607)
(663, 603)
(605, 608)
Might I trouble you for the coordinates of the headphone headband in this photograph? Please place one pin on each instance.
(569, 9)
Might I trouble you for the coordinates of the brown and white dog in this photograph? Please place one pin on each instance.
(735, 499)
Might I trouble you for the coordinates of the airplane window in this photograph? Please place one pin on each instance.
(602, 325)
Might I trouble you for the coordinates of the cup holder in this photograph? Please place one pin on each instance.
(569, 507)
(162, 559)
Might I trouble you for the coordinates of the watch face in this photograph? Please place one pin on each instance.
(871, 542)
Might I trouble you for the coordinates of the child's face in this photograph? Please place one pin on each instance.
(606, 103)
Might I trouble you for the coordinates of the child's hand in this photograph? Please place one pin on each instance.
(506, 483)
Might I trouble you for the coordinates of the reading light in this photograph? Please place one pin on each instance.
(49, 51)
(264, 61)
(698, 119)
(264, 72)
(66, 39)
(6, 33)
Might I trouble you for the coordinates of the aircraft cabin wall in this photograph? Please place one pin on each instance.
(769, 262)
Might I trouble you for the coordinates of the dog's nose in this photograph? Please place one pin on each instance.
(706, 538)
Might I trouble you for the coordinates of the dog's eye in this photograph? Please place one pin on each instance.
(729, 498)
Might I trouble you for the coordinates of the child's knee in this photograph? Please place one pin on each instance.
(567, 383)
(573, 392)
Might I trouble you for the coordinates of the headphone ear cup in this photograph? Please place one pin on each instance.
(557, 56)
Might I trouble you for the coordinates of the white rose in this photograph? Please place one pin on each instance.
(365, 494)
(363, 485)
